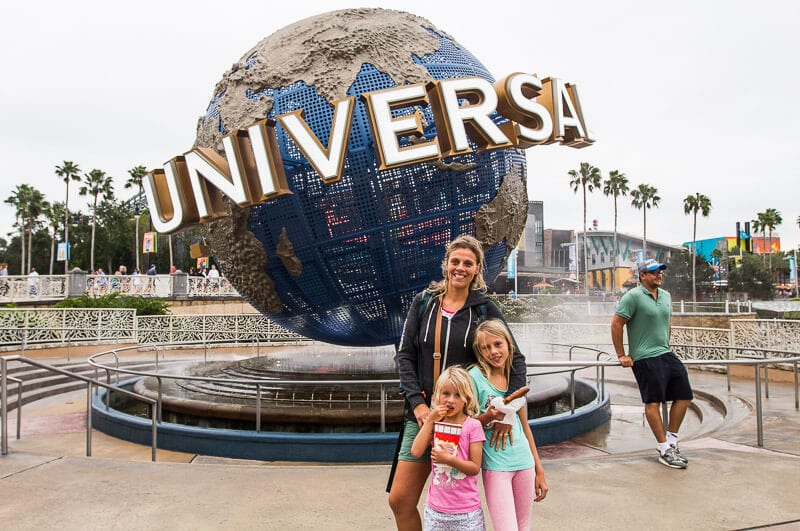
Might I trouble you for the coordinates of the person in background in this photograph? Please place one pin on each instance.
(33, 282)
(646, 310)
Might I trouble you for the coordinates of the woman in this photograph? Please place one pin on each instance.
(460, 302)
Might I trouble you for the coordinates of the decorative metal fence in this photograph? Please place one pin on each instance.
(213, 329)
(210, 287)
(21, 327)
(18, 288)
(781, 334)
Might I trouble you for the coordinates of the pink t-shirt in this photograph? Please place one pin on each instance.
(452, 491)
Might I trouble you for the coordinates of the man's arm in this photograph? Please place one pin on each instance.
(617, 324)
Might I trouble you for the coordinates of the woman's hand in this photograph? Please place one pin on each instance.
(421, 413)
(501, 435)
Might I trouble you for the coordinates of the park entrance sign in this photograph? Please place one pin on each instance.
(350, 147)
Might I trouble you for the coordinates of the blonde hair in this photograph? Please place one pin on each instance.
(462, 381)
(498, 328)
(470, 243)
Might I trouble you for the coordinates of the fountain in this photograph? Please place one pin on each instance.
(310, 408)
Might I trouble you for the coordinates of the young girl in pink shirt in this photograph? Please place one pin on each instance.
(453, 498)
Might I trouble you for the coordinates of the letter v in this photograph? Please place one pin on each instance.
(328, 162)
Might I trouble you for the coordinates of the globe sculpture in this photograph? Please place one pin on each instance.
(340, 262)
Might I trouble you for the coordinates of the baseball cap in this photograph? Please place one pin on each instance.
(650, 265)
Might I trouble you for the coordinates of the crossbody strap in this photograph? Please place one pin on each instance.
(437, 344)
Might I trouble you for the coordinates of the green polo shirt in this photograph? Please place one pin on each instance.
(648, 322)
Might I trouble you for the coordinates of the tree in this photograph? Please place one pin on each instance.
(115, 228)
(69, 171)
(679, 278)
(693, 204)
(751, 277)
(760, 225)
(643, 198)
(616, 185)
(96, 184)
(16, 200)
(55, 217)
(772, 218)
(587, 178)
(30, 205)
(136, 173)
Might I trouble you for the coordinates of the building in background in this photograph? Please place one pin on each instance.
(552, 259)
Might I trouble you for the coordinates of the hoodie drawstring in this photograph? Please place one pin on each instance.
(428, 325)
(469, 324)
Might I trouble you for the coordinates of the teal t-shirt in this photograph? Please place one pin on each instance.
(648, 322)
(516, 456)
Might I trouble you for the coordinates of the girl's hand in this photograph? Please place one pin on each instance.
(436, 414)
(495, 413)
(441, 455)
(540, 487)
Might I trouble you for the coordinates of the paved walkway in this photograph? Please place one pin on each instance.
(608, 479)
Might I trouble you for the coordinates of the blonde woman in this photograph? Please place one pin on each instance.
(460, 301)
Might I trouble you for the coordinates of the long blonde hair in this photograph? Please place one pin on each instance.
(470, 243)
(498, 328)
(462, 381)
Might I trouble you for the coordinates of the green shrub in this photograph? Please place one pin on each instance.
(142, 305)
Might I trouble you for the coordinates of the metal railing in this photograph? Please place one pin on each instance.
(758, 360)
(90, 384)
(255, 383)
(758, 363)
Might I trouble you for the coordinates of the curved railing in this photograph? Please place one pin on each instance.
(90, 385)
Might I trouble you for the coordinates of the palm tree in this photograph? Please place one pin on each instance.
(760, 225)
(96, 183)
(588, 177)
(643, 198)
(772, 218)
(55, 217)
(16, 200)
(693, 204)
(69, 171)
(30, 205)
(616, 185)
(136, 173)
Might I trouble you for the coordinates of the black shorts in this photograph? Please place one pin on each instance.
(662, 379)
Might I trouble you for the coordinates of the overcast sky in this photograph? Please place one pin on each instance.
(687, 96)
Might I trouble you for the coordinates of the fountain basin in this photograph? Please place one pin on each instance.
(319, 447)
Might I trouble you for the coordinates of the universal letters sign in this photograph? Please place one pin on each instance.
(188, 190)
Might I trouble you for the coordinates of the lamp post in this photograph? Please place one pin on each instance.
(66, 239)
(136, 216)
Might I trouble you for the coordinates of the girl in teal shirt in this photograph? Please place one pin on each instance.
(513, 477)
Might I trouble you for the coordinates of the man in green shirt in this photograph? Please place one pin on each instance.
(646, 310)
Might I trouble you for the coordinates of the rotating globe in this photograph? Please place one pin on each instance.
(341, 262)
